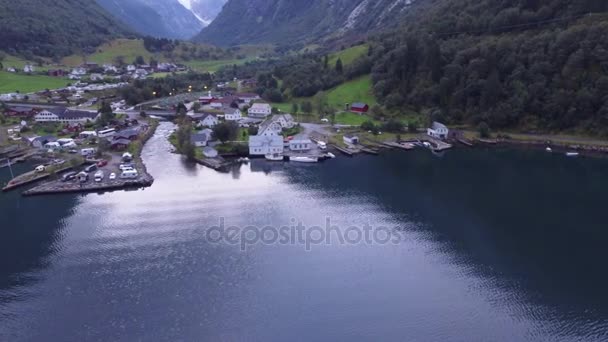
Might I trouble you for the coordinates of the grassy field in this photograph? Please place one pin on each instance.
(353, 119)
(348, 55)
(357, 90)
(213, 66)
(10, 82)
(129, 49)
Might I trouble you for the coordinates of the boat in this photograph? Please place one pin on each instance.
(274, 157)
(549, 149)
(572, 154)
(331, 155)
(244, 160)
(304, 159)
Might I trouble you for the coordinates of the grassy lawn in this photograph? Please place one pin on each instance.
(213, 66)
(11, 82)
(348, 55)
(353, 119)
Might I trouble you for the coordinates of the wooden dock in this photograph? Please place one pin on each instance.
(402, 146)
(345, 151)
(58, 187)
(465, 142)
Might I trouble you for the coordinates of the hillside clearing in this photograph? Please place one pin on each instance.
(213, 66)
(128, 49)
(348, 55)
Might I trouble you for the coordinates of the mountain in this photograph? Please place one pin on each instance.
(299, 21)
(54, 28)
(157, 18)
(205, 10)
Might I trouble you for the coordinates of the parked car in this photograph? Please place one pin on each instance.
(124, 167)
(90, 168)
(112, 176)
(68, 176)
(39, 168)
(128, 174)
(99, 176)
(102, 163)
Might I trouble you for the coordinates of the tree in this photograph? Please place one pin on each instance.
(393, 126)
(412, 127)
(307, 107)
(143, 114)
(321, 102)
(377, 111)
(226, 131)
(107, 115)
(139, 60)
(196, 106)
(294, 108)
(181, 110)
(326, 62)
(339, 66)
(369, 126)
(484, 130)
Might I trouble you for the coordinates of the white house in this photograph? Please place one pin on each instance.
(438, 131)
(131, 68)
(260, 110)
(261, 145)
(200, 139)
(351, 139)
(96, 77)
(285, 120)
(300, 143)
(269, 128)
(79, 72)
(64, 115)
(28, 68)
(232, 114)
(208, 120)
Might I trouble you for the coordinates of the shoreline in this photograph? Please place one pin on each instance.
(144, 180)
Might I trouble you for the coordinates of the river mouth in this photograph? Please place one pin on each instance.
(494, 244)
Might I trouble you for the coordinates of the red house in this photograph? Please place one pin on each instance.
(21, 111)
(56, 73)
(359, 107)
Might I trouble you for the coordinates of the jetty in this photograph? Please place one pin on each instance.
(346, 151)
(403, 146)
(59, 187)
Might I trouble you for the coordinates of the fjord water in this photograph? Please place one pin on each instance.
(496, 245)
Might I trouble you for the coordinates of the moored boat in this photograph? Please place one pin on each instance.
(572, 154)
(274, 157)
(304, 159)
(331, 155)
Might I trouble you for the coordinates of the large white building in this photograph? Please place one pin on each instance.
(438, 131)
(261, 145)
(260, 110)
(64, 115)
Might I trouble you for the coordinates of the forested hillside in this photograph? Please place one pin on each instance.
(529, 64)
(54, 28)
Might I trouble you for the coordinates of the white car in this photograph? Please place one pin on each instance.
(112, 176)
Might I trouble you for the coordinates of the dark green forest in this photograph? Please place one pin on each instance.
(54, 28)
(530, 65)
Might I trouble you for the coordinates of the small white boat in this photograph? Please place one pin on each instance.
(549, 149)
(274, 157)
(304, 159)
(331, 155)
(244, 160)
(572, 154)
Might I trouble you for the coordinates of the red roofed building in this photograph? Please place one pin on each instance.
(359, 107)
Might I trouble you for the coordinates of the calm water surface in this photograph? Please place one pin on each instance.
(496, 245)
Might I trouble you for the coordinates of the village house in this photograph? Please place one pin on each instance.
(120, 144)
(260, 110)
(56, 73)
(28, 68)
(359, 108)
(96, 77)
(127, 134)
(285, 120)
(61, 114)
(207, 120)
(110, 69)
(270, 127)
(39, 142)
(300, 143)
(261, 145)
(131, 68)
(21, 111)
(438, 131)
(351, 139)
(200, 139)
(79, 72)
(11, 69)
(232, 114)
(248, 97)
